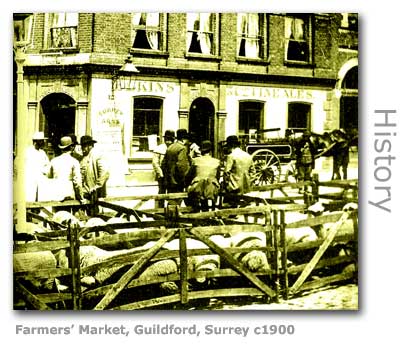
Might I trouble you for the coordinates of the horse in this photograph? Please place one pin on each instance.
(335, 144)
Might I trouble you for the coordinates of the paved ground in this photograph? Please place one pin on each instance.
(326, 298)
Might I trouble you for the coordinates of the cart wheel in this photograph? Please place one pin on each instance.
(268, 167)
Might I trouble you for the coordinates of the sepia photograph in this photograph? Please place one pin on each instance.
(185, 161)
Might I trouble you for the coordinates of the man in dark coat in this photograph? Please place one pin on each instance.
(176, 164)
(203, 179)
(305, 162)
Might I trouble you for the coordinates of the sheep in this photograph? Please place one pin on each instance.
(254, 260)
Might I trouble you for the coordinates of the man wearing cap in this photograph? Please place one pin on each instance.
(65, 169)
(157, 159)
(176, 164)
(93, 170)
(239, 172)
(203, 179)
(305, 162)
(37, 167)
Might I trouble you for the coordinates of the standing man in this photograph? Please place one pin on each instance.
(176, 164)
(157, 160)
(37, 167)
(305, 162)
(65, 169)
(93, 171)
(204, 175)
(239, 172)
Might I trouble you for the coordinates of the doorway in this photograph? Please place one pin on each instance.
(57, 118)
(201, 120)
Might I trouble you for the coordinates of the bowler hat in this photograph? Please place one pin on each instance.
(206, 146)
(87, 139)
(181, 134)
(39, 136)
(65, 142)
(169, 134)
(73, 138)
(233, 140)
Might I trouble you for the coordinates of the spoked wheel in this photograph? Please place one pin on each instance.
(268, 167)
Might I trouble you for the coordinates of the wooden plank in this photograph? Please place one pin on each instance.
(41, 246)
(327, 241)
(120, 209)
(313, 221)
(318, 242)
(183, 268)
(322, 263)
(43, 273)
(235, 264)
(326, 281)
(30, 297)
(134, 270)
(193, 295)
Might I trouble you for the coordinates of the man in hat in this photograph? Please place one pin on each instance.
(239, 172)
(76, 150)
(157, 159)
(93, 170)
(37, 166)
(203, 179)
(305, 162)
(66, 171)
(176, 164)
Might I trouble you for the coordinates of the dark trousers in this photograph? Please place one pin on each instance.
(161, 190)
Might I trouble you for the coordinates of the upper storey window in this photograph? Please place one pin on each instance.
(148, 29)
(297, 36)
(200, 33)
(250, 35)
(63, 31)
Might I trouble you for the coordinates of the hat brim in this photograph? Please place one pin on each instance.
(88, 142)
(64, 147)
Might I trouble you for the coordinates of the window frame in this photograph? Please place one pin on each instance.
(133, 137)
(308, 119)
(308, 33)
(161, 30)
(245, 137)
(49, 27)
(262, 38)
(215, 25)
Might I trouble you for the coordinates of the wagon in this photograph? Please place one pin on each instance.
(270, 155)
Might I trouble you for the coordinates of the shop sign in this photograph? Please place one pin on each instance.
(264, 92)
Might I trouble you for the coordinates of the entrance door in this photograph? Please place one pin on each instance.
(201, 120)
(57, 118)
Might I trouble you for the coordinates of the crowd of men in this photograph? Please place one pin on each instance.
(179, 164)
(79, 172)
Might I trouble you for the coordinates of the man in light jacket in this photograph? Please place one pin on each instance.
(239, 172)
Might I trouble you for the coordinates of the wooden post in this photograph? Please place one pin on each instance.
(284, 253)
(74, 265)
(314, 187)
(276, 254)
(269, 243)
(184, 298)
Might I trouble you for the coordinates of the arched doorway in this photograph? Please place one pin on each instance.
(201, 120)
(57, 118)
(348, 119)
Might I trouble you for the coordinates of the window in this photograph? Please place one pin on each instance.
(297, 39)
(251, 115)
(349, 21)
(299, 116)
(148, 29)
(200, 33)
(146, 122)
(250, 35)
(63, 30)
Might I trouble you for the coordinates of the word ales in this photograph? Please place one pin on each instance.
(384, 131)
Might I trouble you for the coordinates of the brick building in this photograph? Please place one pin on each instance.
(214, 74)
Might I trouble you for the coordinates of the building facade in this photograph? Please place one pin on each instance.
(215, 74)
